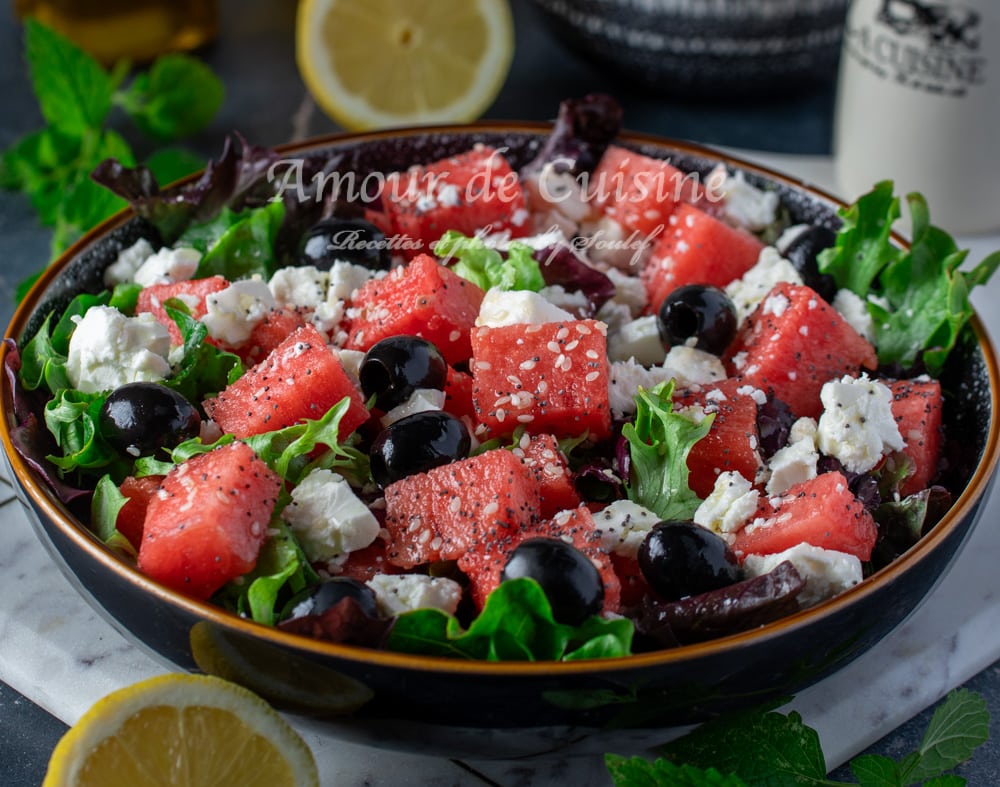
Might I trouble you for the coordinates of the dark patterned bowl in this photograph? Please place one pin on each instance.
(728, 48)
(436, 705)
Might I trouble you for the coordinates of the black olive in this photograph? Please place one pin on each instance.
(571, 582)
(140, 418)
(700, 311)
(416, 444)
(350, 240)
(680, 558)
(395, 367)
(326, 595)
(802, 253)
(774, 424)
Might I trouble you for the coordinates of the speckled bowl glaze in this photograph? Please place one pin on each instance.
(458, 708)
(706, 48)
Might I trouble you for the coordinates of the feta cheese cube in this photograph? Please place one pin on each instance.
(328, 518)
(516, 307)
(857, 426)
(793, 464)
(639, 340)
(854, 309)
(691, 366)
(168, 266)
(232, 314)
(744, 205)
(303, 286)
(729, 506)
(127, 263)
(399, 593)
(623, 525)
(421, 400)
(108, 349)
(629, 290)
(825, 571)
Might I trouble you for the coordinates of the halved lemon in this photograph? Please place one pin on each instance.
(387, 63)
(180, 730)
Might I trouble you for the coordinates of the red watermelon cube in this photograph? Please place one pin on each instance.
(792, 344)
(301, 378)
(917, 407)
(422, 298)
(822, 511)
(552, 474)
(473, 191)
(733, 442)
(696, 248)
(480, 503)
(549, 377)
(132, 515)
(209, 518)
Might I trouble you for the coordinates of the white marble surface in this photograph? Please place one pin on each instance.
(55, 650)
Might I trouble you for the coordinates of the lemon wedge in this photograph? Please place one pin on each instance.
(181, 730)
(389, 63)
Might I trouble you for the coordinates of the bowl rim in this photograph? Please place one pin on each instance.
(80, 536)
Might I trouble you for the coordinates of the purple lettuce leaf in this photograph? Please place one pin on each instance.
(583, 130)
(560, 265)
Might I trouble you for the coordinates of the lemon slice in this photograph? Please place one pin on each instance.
(181, 730)
(384, 63)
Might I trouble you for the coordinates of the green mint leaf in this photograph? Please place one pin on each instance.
(516, 624)
(959, 725)
(863, 246)
(170, 164)
(176, 97)
(762, 748)
(874, 770)
(949, 780)
(104, 507)
(485, 267)
(659, 443)
(40, 165)
(246, 247)
(637, 772)
(73, 90)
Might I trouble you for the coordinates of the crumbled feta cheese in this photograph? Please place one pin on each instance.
(127, 263)
(638, 339)
(857, 426)
(168, 266)
(562, 192)
(627, 377)
(574, 301)
(351, 361)
(795, 462)
(745, 205)
(825, 571)
(108, 349)
(770, 269)
(854, 309)
(729, 505)
(515, 307)
(614, 315)
(421, 400)
(231, 314)
(299, 286)
(691, 366)
(611, 245)
(629, 290)
(623, 525)
(346, 278)
(328, 519)
(789, 235)
(399, 593)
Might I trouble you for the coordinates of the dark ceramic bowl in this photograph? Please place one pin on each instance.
(436, 705)
(732, 48)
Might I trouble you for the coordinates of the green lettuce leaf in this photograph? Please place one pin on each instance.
(659, 443)
(474, 261)
(72, 417)
(918, 299)
(104, 507)
(238, 245)
(516, 624)
(42, 364)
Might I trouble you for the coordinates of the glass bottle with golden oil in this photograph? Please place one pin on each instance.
(138, 30)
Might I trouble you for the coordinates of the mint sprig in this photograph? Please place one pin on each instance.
(177, 96)
(757, 748)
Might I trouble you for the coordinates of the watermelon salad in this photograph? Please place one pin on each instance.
(591, 406)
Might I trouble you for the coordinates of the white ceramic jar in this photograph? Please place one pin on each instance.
(918, 101)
